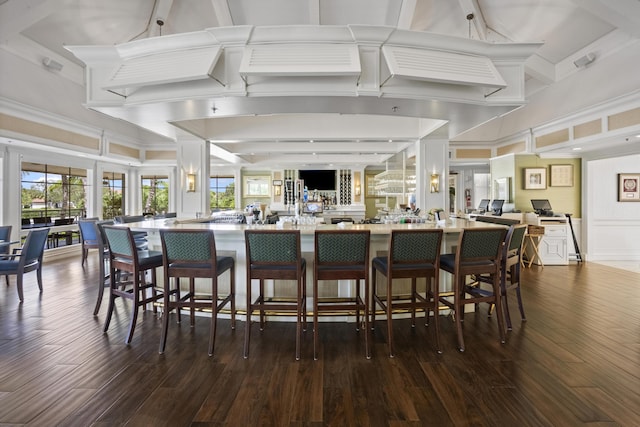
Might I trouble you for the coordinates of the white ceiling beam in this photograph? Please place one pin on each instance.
(161, 12)
(223, 154)
(407, 11)
(222, 12)
(472, 6)
(346, 145)
(541, 69)
(314, 12)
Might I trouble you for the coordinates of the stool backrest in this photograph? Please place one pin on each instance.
(188, 246)
(415, 246)
(265, 247)
(346, 247)
(480, 244)
(121, 244)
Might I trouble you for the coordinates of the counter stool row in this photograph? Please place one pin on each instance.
(339, 255)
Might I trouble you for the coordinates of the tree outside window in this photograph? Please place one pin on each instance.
(222, 192)
(113, 190)
(155, 194)
(51, 191)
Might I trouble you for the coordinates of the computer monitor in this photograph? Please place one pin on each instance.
(313, 207)
(541, 206)
(484, 205)
(496, 207)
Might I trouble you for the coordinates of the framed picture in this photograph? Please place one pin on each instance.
(535, 178)
(502, 189)
(629, 187)
(561, 176)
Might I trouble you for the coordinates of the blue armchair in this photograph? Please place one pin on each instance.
(26, 259)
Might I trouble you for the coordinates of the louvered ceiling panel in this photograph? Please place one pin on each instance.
(165, 67)
(443, 67)
(301, 60)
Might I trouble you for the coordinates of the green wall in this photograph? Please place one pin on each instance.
(563, 199)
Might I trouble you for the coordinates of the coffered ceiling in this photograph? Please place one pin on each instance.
(304, 129)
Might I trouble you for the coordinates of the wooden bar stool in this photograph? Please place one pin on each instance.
(341, 255)
(412, 254)
(125, 257)
(192, 254)
(275, 255)
(479, 253)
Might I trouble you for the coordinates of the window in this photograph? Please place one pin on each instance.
(481, 187)
(223, 192)
(155, 194)
(112, 194)
(53, 192)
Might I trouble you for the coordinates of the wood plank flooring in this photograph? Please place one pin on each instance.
(576, 361)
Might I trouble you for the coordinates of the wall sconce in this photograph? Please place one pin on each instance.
(435, 183)
(357, 189)
(277, 187)
(191, 182)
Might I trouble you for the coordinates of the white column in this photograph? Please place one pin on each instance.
(193, 157)
(11, 191)
(432, 157)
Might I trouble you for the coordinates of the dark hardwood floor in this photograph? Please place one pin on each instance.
(576, 361)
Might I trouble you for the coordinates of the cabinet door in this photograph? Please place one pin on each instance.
(553, 250)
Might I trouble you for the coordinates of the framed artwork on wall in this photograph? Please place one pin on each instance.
(561, 176)
(629, 187)
(535, 178)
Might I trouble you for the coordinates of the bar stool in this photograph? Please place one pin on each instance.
(92, 237)
(125, 257)
(532, 239)
(275, 255)
(341, 255)
(412, 254)
(192, 254)
(478, 253)
(510, 269)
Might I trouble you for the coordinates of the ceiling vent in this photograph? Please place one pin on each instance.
(301, 60)
(442, 67)
(165, 67)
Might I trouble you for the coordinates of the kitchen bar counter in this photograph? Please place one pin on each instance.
(230, 241)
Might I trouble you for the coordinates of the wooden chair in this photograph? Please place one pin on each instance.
(478, 252)
(5, 235)
(412, 254)
(511, 260)
(125, 257)
(92, 237)
(192, 254)
(89, 238)
(275, 255)
(341, 255)
(140, 237)
(26, 259)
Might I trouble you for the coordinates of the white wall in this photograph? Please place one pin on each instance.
(612, 227)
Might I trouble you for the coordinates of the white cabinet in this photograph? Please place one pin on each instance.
(553, 247)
